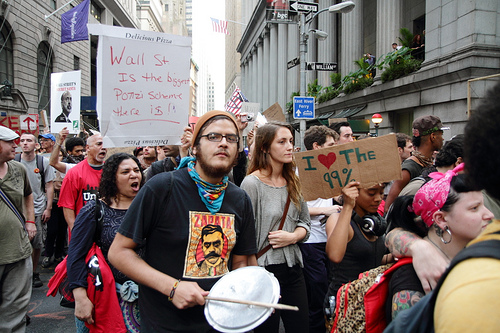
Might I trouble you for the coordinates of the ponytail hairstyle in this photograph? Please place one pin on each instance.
(264, 137)
(401, 215)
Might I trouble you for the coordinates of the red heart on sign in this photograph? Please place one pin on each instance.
(327, 160)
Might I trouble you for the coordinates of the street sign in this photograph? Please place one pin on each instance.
(303, 107)
(29, 122)
(321, 66)
(292, 63)
(301, 6)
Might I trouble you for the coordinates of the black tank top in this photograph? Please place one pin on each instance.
(360, 256)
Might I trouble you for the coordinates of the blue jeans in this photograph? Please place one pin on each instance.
(80, 326)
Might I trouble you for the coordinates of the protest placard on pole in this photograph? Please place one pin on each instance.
(324, 172)
(65, 90)
(143, 86)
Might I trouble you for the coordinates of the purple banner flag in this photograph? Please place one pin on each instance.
(74, 23)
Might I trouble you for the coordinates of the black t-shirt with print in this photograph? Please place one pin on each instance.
(170, 224)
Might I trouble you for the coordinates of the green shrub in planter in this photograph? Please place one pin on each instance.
(328, 95)
(405, 67)
(358, 84)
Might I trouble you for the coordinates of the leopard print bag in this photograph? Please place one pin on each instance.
(350, 315)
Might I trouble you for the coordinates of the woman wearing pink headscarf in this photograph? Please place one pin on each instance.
(448, 213)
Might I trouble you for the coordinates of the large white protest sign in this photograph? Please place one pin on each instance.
(65, 101)
(143, 86)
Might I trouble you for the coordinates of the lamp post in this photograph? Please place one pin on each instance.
(343, 7)
(376, 120)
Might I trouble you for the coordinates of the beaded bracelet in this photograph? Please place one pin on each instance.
(30, 222)
(172, 292)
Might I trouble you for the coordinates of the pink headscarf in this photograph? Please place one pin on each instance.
(431, 197)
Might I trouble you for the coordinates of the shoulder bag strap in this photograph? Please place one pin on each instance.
(13, 207)
(283, 218)
(41, 168)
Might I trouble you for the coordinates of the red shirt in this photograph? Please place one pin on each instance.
(80, 185)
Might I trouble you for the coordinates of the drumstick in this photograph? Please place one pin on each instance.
(264, 305)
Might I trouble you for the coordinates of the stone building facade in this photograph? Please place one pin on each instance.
(462, 42)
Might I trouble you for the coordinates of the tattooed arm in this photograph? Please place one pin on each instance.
(403, 300)
(402, 243)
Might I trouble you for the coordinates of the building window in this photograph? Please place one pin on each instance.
(95, 11)
(76, 63)
(166, 7)
(6, 57)
(53, 4)
(44, 69)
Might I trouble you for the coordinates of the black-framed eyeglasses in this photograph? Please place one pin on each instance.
(217, 137)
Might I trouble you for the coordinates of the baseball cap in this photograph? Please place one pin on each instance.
(6, 134)
(47, 136)
(426, 125)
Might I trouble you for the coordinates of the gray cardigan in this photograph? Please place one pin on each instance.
(268, 205)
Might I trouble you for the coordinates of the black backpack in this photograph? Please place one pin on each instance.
(39, 165)
(420, 317)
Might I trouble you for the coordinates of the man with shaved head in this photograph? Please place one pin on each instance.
(81, 183)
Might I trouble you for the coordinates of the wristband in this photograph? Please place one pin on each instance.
(30, 222)
(172, 292)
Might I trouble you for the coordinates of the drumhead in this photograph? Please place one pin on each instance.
(250, 283)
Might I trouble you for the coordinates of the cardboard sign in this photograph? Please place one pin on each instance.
(324, 172)
(336, 120)
(143, 86)
(275, 112)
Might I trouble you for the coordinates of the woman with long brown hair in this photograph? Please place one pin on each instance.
(271, 182)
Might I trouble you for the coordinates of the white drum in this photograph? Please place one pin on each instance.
(250, 283)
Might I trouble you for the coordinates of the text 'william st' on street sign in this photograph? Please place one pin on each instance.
(303, 107)
(321, 66)
(301, 6)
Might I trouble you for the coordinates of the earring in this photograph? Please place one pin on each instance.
(439, 232)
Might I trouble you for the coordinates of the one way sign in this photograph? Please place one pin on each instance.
(300, 6)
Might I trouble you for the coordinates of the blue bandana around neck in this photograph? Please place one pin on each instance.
(212, 195)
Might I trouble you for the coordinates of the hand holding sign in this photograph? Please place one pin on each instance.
(350, 193)
(324, 172)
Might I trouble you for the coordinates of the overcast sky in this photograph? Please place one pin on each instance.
(208, 46)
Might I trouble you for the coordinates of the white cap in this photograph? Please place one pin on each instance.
(6, 134)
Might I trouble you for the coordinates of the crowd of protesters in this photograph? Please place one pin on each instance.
(172, 220)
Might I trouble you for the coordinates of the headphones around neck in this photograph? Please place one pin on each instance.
(371, 224)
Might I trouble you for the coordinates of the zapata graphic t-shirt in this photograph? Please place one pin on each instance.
(211, 239)
(184, 240)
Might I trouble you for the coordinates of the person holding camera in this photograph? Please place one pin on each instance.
(355, 243)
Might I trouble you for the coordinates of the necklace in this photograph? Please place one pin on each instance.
(430, 240)
(426, 161)
(270, 179)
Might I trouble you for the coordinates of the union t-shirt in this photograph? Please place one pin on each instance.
(80, 185)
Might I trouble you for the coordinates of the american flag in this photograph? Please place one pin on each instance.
(219, 26)
(233, 105)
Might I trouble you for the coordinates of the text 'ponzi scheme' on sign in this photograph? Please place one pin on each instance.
(143, 83)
